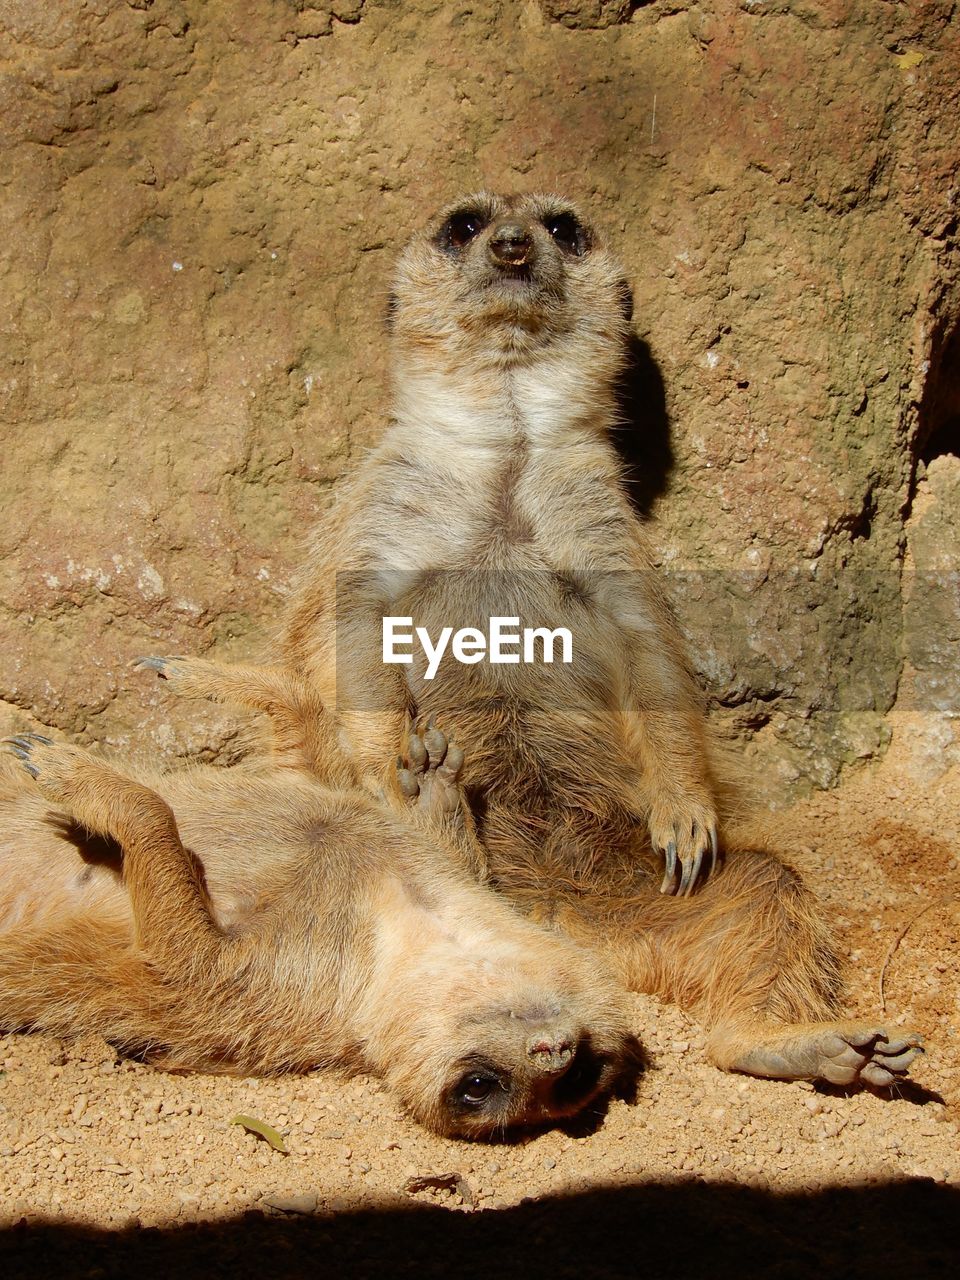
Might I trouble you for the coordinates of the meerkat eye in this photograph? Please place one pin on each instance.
(474, 1089)
(567, 232)
(460, 228)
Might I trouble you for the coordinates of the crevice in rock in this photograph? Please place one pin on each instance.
(945, 440)
(938, 427)
(930, 681)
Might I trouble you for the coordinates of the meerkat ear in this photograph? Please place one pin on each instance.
(390, 312)
(625, 295)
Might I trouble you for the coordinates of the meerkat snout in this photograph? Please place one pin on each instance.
(551, 1054)
(511, 244)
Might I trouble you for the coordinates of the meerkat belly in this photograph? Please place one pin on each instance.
(50, 867)
(530, 678)
(499, 610)
(260, 839)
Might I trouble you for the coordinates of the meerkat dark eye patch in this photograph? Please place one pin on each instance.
(474, 1089)
(460, 228)
(568, 233)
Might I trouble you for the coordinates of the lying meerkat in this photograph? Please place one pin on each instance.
(497, 492)
(749, 954)
(260, 921)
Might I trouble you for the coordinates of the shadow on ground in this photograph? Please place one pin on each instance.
(683, 1229)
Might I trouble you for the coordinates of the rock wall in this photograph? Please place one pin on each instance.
(201, 202)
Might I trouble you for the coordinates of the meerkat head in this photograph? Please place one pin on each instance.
(506, 278)
(529, 1056)
(532, 1064)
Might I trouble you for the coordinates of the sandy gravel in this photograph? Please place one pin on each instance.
(90, 1143)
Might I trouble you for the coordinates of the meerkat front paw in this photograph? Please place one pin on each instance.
(52, 765)
(431, 775)
(685, 832)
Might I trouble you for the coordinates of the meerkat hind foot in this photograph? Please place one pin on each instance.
(162, 666)
(431, 775)
(189, 677)
(842, 1053)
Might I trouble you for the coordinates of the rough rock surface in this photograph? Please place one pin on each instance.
(201, 202)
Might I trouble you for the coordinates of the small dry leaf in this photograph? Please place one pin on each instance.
(907, 61)
(262, 1130)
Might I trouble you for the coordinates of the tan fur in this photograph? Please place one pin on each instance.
(496, 491)
(263, 922)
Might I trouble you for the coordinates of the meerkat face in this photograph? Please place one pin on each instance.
(510, 275)
(532, 1066)
(529, 1060)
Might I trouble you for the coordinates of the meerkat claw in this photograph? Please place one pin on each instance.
(436, 745)
(896, 1049)
(22, 745)
(453, 761)
(159, 665)
(879, 1077)
(691, 872)
(900, 1061)
(670, 867)
(28, 739)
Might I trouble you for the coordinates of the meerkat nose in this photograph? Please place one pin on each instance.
(551, 1053)
(511, 243)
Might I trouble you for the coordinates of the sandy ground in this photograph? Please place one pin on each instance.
(108, 1165)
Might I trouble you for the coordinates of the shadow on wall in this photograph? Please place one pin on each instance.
(684, 1229)
(643, 437)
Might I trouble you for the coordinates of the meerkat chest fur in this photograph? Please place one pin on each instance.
(505, 470)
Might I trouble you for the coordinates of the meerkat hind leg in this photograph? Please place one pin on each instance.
(303, 736)
(267, 689)
(843, 1053)
(752, 958)
(429, 785)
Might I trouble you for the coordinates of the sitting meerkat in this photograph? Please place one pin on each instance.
(749, 954)
(496, 492)
(261, 921)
